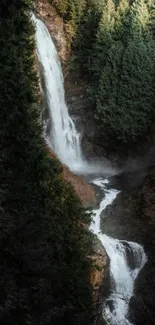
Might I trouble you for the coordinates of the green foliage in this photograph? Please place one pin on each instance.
(81, 19)
(103, 38)
(43, 244)
(115, 46)
(62, 6)
(72, 12)
(125, 98)
(86, 34)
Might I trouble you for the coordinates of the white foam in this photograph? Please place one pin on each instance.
(122, 273)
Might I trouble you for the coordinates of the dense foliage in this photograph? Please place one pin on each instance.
(44, 246)
(114, 43)
(125, 99)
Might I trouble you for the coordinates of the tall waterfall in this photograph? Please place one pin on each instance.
(63, 136)
(126, 261)
(126, 258)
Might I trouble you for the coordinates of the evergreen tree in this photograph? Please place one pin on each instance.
(87, 32)
(126, 98)
(122, 21)
(104, 37)
(114, 45)
(44, 247)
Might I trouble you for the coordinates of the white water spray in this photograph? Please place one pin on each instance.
(126, 261)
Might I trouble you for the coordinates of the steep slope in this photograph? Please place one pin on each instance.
(84, 191)
(45, 250)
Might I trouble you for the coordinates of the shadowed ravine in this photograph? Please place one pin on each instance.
(126, 258)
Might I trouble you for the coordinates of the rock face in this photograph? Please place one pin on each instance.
(135, 208)
(55, 25)
(101, 261)
(99, 278)
(81, 109)
(84, 191)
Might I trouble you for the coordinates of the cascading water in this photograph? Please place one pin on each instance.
(63, 136)
(126, 258)
(126, 261)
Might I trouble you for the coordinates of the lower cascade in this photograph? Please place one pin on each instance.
(126, 258)
(126, 261)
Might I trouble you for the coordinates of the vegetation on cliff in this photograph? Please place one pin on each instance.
(44, 246)
(114, 44)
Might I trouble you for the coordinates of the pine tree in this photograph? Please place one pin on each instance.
(114, 44)
(44, 246)
(104, 37)
(126, 98)
(87, 34)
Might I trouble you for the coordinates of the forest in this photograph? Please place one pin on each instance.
(114, 45)
(44, 247)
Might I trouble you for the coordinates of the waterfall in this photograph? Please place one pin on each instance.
(63, 137)
(60, 131)
(126, 258)
(126, 261)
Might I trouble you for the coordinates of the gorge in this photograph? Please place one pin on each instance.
(126, 258)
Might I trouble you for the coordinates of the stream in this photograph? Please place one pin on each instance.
(126, 261)
(126, 258)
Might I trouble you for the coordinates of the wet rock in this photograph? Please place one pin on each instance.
(127, 181)
(100, 261)
(132, 214)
